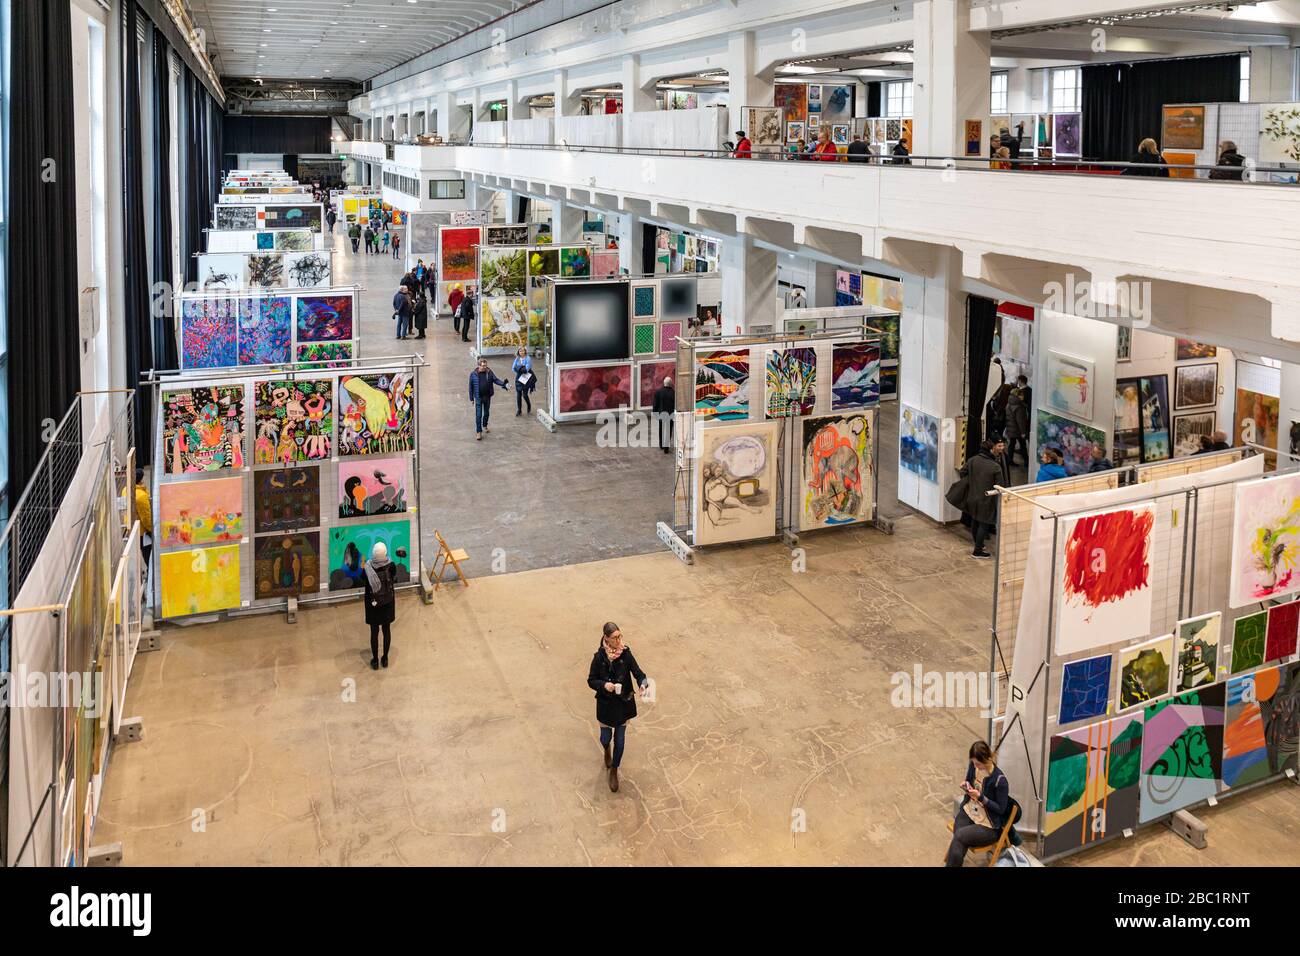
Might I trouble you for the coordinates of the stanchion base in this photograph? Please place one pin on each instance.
(790, 539)
(679, 547)
(131, 731)
(885, 524)
(426, 585)
(149, 641)
(1188, 827)
(291, 610)
(549, 423)
(108, 854)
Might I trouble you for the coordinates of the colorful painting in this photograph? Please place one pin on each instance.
(328, 354)
(297, 218)
(1092, 783)
(735, 485)
(1069, 134)
(1105, 584)
(1189, 430)
(1283, 620)
(509, 235)
(1182, 751)
(794, 132)
(1069, 384)
(604, 263)
(1183, 128)
(1144, 672)
(792, 100)
(203, 429)
(503, 323)
(1249, 637)
(918, 443)
(669, 333)
(286, 565)
(973, 137)
(595, 388)
(199, 580)
(650, 378)
(502, 271)
(285, 499)
(1196, 651)
(1186, 349)
(1257, 418)
(351, 547)
(294, 421)
(856, 375)
(645, 338)
(1265, 539)
(791, 377)
(265, 241)
(208, 333)
(200, 512)
(324, 318)
(1072, 439)
(575, 262)
(1196, 385)
(459, 249)
(1279, 134)
(722, 384)
(1262, 725)
(543, 262)
(837, 480)
(1085, 690)
(373, 486)
(265, 331)
(376, 413)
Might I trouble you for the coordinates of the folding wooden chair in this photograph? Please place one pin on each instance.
(995, 849)
(447, 556)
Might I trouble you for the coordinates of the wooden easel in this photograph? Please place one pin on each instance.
(448, 557)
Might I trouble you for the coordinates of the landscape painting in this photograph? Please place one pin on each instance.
(791, 377)
(855, 370)
(722, 384)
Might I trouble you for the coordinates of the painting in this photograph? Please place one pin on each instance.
(794, 131)
(1155, 418)
(1257, 417)
(376, 413)
(306, 270)
(1196, 385)
(1085, 690)
(200, 512)
(1144, 672)
(735, 486)
(422, 233)
(575, 262)
(1196, 651)
(1249, 634)
(199, 580)
(293, 421)
(508, 235)
(266, 271)
(838, 485)
(763, 123)
(1261, 725)
(265, 241)
(217, 272)
(351, 547)
(543, 262)
(855, 370)
(722, 384)
(286, 565)
(292, 240)
(1279, 134)
(1183, 128)
(203, 429)
(792, 100)
(590, 322)
(1104, 601)
(1265, 539)
(840, 135)
(459, 250)
(1069, 384)
(1069, 134)
(595, 388)
(643, 301)
(285, 499)
(669, 333)
(373, 486)
(791, 377)
(232, 216)
(679, 297)
(296, 218)
(1182, 751)
(327, 354)
(1093, 776)
(918, 443)
(265, 332)
(208, 333)
(1189, 430)
(973, 138)
(650, 378)
(1186, 349)
(1017, 337)
(837, 103)
(324, 318)
(644, 338)
(502, 271)
(1280, 641)
(893, 130)
(1072, 439)
(503, 323)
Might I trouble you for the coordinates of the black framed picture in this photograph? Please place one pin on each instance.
(1196, 385)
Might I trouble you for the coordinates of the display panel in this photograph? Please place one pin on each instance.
(590, 322)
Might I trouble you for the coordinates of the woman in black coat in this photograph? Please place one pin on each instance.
(379, 580)
(1148, 155)
(982, 473)
(985, 805)
(611, 676)
(421, 316)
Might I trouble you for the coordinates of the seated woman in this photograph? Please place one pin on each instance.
(983, 811)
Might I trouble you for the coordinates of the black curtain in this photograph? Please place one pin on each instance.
(1123, 103)
(981, 318)
(42, 301)
(521, 209)
(137, 318)
(164, 329)
(649, 234)
(277, 134)
(200, 164)
(874, 98)
(290, 163)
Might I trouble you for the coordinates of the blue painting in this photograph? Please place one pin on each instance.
(266, 240)
(1085, 689)
(918, 443)
(265, 332)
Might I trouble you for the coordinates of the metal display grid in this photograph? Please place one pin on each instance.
(327, 254)
(327, 520)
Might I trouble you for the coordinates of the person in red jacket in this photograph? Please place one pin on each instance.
(744, 148)
(826, 150)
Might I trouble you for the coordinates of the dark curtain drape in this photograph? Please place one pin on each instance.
(981, 319)
(290, 163)
(137, 318)
(200, 165)
(277, 134)
(42, 298)
(874, 98)
(521, 209)
(648, 235)
(1122, 103)
(164, 330)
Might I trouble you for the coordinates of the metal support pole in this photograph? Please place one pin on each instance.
(1047, 691)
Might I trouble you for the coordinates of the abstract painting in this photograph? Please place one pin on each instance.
(679, 297)
(266, 271)
(1249, 636)
(1262, 725)
(764, 125)
(294, 421)
(307, 269)
(604, 263)
(1069, 384)
(590, 322)
(722, 384)
(200, 512)
(645, 338)
(373, 486)
(286, 565)
(265, 331)
(791, 377)
(1265, 539)
(285, 499)
(735, 487)
(575, 262)
(351, 546)
(1183, 127)
(422, 233)
(1092, 783)
(221, 271)
(1144, 672)
(1074, 440)
(544, 262)
(1280, 642)
(1257, 417)
(792, 100)
(235, 217)
(1190, 429)
(199, 580)
(643, 301)
(298, 218)
(1196, 651)
(502, 271)
(794, 132)
(208, 333)
(1182, 751)
(1069, 133)
(292, 240)
(1085, 690)
(669, 333)
(595, 388)
(328, 354)
(324, 318)
(650, 378)
(203, 429)
(1105, 583)
(376, 413)
(1185, 349)
(837, 480)
(855, 375)
(265, 241)
(1196, 385)
(459, 250)
(1155, 418)
(503, 323)
(918, 443)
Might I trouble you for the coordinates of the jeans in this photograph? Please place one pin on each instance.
(374, 639)
(403, 324)
(395, 251)
(521, 396)
(482, 409)
(618, 733)
(355, 243)
(979, 530)
(967, 833)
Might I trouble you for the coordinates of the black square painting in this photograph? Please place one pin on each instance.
(678, 298)
(591, 322)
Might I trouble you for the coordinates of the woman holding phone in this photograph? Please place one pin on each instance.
(611, 675)
(983, 811)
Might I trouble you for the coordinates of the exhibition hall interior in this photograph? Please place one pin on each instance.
(698, 433)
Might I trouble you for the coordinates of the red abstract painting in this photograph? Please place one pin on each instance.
(1283, 622)
(1106, 578)
(595, 388)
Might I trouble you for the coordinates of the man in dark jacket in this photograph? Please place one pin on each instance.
(1229, 157)
(354, 233)
(420, 315)
(663, 407)
(332, 218)
(481, 382)
(403, 308)
(858, 151)
(370, 240)
(1099, 460)
(983, 472)
(1017, 426)
(464, 316)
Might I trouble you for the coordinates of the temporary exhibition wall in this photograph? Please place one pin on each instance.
(884, 294)
(266, 240)
(262, 214)
(253, 327)
(265, 270)
(1266, 134)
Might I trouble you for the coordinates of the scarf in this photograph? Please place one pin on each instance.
(372, 572)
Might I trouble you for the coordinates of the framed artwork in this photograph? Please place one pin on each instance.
(221, 271)
(669, 333)
(1144, 672)
(1085, 689)
(503, 322)
(286, 499)
(1196, 651)
(266, 271)
(1265, 540)
(203, 429)
(265, 241)
(763, 123)
(376, 413)
(200, 512)
(199, 580)
(1183, 127)
(855, 375)
(1185, 349)
(1069, 134)
(1142, 428)
(1258, 409)
(286, 565)
(722, 384)
(351, 545)
(294, 421)
(326, 354)
(325, 318)
(643, 300)
(1069, 384)
(502, 272)
(265, 330)
(645, 338)
(650, 378)
(1279, 134)
(840, 134)
(508, 235)
(735, 483)
(1182, 751)
(918, 443)
(974, 137)
(458, 249)
(1190, 429)
(373, 486)
(1196, 385)
(595, 388)
(791, 380)
(794, 131)
(1123, 343)
(230, 216)
(837, 485)
(575, 261)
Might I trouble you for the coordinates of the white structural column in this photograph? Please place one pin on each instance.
(748, 285)
(744, 86)
(950, 78)
(932, 345)
(452, 120)
(1273, 75)
(566, 104)
(566, 222)
(630, 242)
(636, 98)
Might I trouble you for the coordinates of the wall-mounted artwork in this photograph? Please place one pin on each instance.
(1196, 385)
(209, 333)
(918, 443)
(590, 322)
(266, 271)
(669, 333)
(351, 546)
(791, 380)
(293, 240)
(644, 338)
(604, 263)
(1069, 384)
(285, 499)
(1196, 650)
(218, 272)
(1085, 690)
(1104, 602)
(650, 378)
(306, 270)
(1074, 440)
(459, 251)
(1183, 127)
(792, 100)
(503, 271)
(1262, 725)
(293, 420)
(893, 130)
(544, 262)
(1279, 134)
(722, 384)
(1190, 429)
(1069, 134)
(595, 388)
(199, 580)
(1257, 417)
(837, 482)
(329, 354)
(1142, 427)
(840, 134)
(735, 485)
(1092, 783)
(265, 241)
(763, 124)
(1144, 672)
(376, 413)
(508, 235)
(324, 318)
(575, 262)
(422, 233)
(203, 429)
(1182, 751)
(679, 297)
(837, 103)
(643, 301)
(265, 332)
(1249, 636)
(1186, 349)
(200, 512)
(287, 565)
(794, 131)
(974, 137)
(503, 322)
(1265, 540)
(296, 218)
(855, 369)
(235, 217)
(1283, 620)
(373, 486)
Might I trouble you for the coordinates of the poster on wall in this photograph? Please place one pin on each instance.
(735, 490)
(1183, 127)
(837, 484)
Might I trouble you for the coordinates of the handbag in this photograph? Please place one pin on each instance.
(958, 492)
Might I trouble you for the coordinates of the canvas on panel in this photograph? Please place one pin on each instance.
(650, 378)
(575, 262)
(1280, 637)
(503, 322)
(266, 271)
(351, 546)
(543, 262)
(376, 413)
(325, 318)
(1085, 689)
(200, 512)
(1102, 602)
(294, 420)
(1182, 751)
(855, 372)
(837, 481)
(735, 485)
(918, 443)
(305, 270)
(595, 388)
(327, 354)
(590, 321)
(1069, 384)
(1092, 783)
(1262, 725)
(199, 580)
(373, 486)
(669, 333)
(1249, 637)
(208, 333)
(203, 429)
(763, 123)
(1074, 440)
(1183, 128)
(459, 252)
(265, 330)
(1144, 672)
(1196, 650)
(791, 378)
(221, 271)
(722, 384)
(1265, 539)
(285, 499)
(286, 565)
(502, 271)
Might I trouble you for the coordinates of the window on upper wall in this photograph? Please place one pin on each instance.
(1243, 93)
(998, 94)
(446, 189)
(1066, 90)
(898, 98)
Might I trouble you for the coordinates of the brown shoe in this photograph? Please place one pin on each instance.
(608, 760)
(613, 780)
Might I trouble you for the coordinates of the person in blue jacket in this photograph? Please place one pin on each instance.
(481, 382)
(523, 366)
(1051, 466)
(984, 807)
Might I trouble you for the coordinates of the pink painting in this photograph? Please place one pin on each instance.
(668, 334)
(595, 388)
(651, 376)
(604, 263)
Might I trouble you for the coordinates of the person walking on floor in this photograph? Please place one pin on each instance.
(985, 471)
(464, 316)
(381, 601)
(985, 805)
(663, 408)
(402, 311)
(331, 217)
(1017, 428)
(397, 246)
(420, 315)
(611, 675)
(370, 240)
(481, 382)
(525, 381)
(384, 239)
(354, 234)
